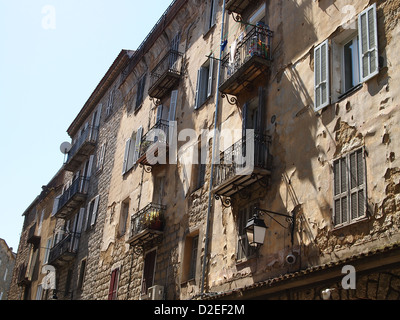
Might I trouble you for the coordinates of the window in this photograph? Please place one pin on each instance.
(47, 251)
(190, 256)
(91, 215)
(132, 150)
(39, 292)
(148, 271)
(204, 83)
(211, 14)
(113, 289)
(354, 60)
(140, 92)
(349, 188)
(123, 218)
(82, 272)
(100, 157)
(244, 250)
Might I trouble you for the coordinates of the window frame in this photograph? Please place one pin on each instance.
(204, 86)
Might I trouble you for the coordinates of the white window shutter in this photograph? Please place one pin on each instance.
(172, 107)
(138, 142)
(159, 112)
(210, 77)
(90, 166)
(321, 76)
(368, 43)
(55, 205)
(80, 220)
(95, 210)
(126, 155)
(197, 97)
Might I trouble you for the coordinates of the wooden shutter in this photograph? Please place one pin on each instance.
(368, 43)
(138, 143)
(340, 196)
(172, 107)
(159, 113)
(210, 77)
(126, 155)
(55, 205)
(357, 185)
(112, 292)
(148, 271)
(80, 220)
(197, 96)
(321, 76)
(95, 210)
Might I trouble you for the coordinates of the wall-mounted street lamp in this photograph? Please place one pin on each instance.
(256, 227)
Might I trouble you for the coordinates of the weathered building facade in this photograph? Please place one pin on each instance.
(156, 196)
(7, 263)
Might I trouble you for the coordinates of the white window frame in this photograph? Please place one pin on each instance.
(368, 47)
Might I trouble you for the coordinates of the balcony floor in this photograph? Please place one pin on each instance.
(238, 6)
(164, 84)
(143, 159)
(240, 181)
(71, 205)
(244, 76)
(80, 156)
(144, 237)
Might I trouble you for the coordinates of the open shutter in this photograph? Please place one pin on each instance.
(80, 220)
(159, 113)
(55, 205)
(213, 18)
(112, 292)
(172, 107)
(210, 77)
(321, 76)
(95, 209)
(197, 97)
(138, 143)
(368, 43)
(126, 155)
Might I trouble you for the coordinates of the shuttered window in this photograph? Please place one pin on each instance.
(113, 289)
(321, 75)
(140, 92)
(204, 83)
(244, 250)
(148, 271)
(368, 43)
(349, 188)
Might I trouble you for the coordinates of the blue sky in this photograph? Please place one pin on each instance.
(53, 53)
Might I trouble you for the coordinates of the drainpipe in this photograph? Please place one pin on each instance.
(213, 154)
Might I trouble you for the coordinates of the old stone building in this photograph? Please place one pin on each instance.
(7, 263)
(232, 113)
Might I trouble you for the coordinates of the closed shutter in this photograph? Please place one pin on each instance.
(368, 43)
(112, 292)
(159, 113)
(357, 186)
(172, 107)
(321, 76)
(340, 191)
(148, 271)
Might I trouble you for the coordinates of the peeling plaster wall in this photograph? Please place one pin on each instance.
(305, 143)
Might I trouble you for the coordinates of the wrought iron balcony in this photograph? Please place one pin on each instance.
(231, 176)
(154, 144)
(65, 250)
(32, 237)
(250, 60)
(166, 75)
(238, 6)
(147, 226)
(72, 198)
(82, 149)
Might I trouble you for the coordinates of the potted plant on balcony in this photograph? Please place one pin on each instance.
(153, 219)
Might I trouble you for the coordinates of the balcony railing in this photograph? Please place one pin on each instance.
(166, 74)
(82, 149)
(241, 67)
(147, 225)
(232, 175)
(65, 250)
(238, 6)
(72, 198)
(154, 143)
